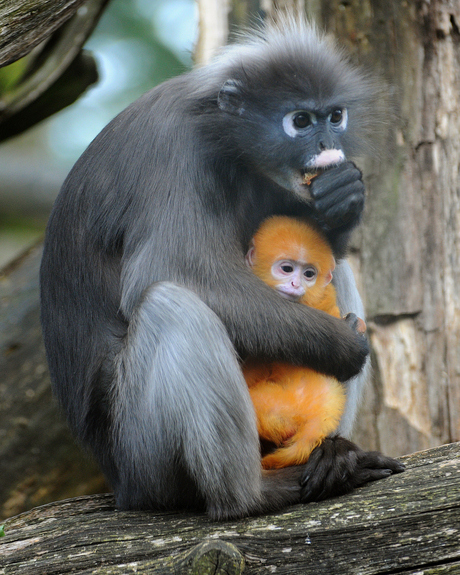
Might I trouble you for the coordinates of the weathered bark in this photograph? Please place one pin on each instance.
(57, 71)
(408, 523)
(408, 252)
(26, 23)
(39, 460)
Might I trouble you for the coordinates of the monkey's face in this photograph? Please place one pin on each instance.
(293, 278)
(288, 140)
(293, 147)
(315, 143)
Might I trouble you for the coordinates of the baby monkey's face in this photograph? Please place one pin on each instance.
(293, 278)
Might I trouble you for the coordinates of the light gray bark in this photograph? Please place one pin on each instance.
(408, 524)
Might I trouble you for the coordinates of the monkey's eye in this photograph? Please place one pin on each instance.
(301, 120)
(310, 273)
(338, 118)
(287, 268)
(295, 122)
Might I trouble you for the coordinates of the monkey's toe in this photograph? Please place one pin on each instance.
(337, 466)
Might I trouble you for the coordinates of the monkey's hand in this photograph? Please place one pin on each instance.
(337, 466)
(356, 323)
(338, 195)
(361, 344)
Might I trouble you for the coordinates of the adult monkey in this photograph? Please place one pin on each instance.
(146, 298)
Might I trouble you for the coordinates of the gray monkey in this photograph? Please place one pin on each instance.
(147, 305)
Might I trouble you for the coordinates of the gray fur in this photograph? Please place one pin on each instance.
(146, 298)
(181, 397)
(349, 300)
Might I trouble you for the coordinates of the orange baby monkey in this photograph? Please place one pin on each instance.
(296, 407)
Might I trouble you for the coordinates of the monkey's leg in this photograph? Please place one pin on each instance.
(274, 412)
(185, 429)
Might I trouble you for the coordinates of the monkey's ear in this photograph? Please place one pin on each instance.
(251, 254)
(230, 97)
(328, 278)
(329, 274)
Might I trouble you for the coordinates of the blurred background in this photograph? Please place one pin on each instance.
(137, 44)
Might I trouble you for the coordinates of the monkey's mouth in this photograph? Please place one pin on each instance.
(322, 161)
(308, 175)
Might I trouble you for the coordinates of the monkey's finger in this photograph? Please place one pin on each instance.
(334, 179)
(352, 320)
(345, 191)
(376, 460)
(342, 204)
(366, 475)
(334, 484)
(356, 324)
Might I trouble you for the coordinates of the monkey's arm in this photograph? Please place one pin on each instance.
(261, 324)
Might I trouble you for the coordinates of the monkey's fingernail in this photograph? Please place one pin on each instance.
(306, 495)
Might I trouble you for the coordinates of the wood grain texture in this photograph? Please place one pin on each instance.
(26, 23)
(54, 74)
(408, 523)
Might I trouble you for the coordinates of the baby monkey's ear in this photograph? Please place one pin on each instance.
(251, 254)
(328, 277)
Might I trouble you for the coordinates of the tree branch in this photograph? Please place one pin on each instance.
(404, 524)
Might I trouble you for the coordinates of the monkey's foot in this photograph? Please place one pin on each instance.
(337, 466)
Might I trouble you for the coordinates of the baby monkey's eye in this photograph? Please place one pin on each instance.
(287, 268)
(310, 273)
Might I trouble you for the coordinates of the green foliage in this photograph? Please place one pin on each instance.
(11, 75)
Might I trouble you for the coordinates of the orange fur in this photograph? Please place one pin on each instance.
(281, 237)
(296, 407)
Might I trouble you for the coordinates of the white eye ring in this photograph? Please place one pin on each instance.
(288, 122)
(343, 124)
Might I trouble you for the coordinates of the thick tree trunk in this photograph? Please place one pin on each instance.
(408, 252)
